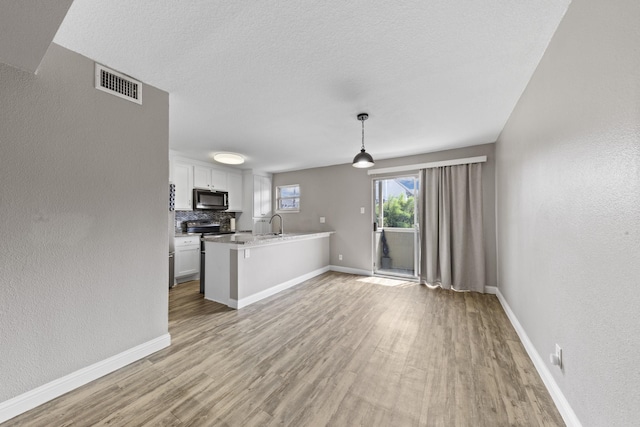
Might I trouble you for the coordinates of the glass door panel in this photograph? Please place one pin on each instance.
(395, 236)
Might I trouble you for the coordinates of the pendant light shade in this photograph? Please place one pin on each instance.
(363, 159)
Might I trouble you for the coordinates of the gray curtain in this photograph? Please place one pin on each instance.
(451, 236)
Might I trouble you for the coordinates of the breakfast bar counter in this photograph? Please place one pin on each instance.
(245, 268)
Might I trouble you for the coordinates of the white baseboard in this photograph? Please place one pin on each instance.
(491, 290)
(561, 402)
(36, 397)
(350, 270)
(275, 289)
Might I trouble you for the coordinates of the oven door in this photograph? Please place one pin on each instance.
(203, 258)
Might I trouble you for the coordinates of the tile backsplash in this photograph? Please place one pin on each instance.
(216, 216)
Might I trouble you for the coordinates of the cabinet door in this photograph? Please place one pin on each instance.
(265, 206)
(261, 196)
(183, 179)
(187, 260)
(234, 186)
(201, 177)
(218, 180)
(257, 196)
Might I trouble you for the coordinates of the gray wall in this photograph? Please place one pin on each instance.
(83, 203)
(338, 192)
(568, 177)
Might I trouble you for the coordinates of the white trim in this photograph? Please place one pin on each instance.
(350, 270)
(36, 397)
(570, 418)
(396, 230)
(466, 161)
(491, 290)
(237, 304)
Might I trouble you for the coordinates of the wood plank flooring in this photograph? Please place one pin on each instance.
(337, 350)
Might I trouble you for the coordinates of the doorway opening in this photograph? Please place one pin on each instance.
(395, 230)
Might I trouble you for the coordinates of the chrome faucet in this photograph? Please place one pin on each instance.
(281, 223)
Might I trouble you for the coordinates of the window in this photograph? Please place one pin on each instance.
(395, 201)
(288, 198)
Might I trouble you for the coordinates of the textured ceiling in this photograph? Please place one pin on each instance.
(282, 82)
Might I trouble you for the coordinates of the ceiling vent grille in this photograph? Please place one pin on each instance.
(118, 84)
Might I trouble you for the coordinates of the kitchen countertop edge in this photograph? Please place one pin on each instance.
(265, 241)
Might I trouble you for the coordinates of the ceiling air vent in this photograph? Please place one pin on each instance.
(118, 84)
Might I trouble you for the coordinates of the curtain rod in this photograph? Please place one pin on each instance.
(454, 162)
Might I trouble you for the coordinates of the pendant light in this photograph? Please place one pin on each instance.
(363, 159)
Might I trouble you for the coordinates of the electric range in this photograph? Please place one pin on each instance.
(204, 228)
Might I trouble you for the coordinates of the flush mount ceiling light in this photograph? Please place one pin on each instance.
(229, 158)
(363, 159)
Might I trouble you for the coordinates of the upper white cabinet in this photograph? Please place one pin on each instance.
(182, 176)
(261, 196)
(234, 186)
(256, 204)
(188, 174)
(209, 178)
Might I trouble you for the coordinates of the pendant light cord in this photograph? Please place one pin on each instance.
(362, 134)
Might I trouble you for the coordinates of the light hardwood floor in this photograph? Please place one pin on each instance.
(337, 350)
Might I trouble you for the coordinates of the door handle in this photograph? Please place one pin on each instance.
(375, 226)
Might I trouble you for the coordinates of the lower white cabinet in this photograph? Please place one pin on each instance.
(187, 258)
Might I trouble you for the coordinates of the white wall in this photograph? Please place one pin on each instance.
(568, 186)
(338, 193)
(84, 221)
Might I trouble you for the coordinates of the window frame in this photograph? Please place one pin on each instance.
(279, 198)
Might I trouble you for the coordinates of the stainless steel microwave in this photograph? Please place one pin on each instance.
(207, 199)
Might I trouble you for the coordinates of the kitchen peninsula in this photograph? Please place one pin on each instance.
(246, 268)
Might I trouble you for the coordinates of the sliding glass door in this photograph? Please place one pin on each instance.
(395, 234)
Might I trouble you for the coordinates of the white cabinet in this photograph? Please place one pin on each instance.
(219, 180)
(261, 196)
(183, 179)
(187, 257)
(188, 174)
(256, 204)
(201, 177)
(234, 186)
(209, 178)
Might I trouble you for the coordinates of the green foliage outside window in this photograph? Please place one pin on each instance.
(398, 211)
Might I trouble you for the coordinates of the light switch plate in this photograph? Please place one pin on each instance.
(362, 210)
(247, 253)
(322, 220)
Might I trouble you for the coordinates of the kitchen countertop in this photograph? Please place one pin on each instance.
(186, 234)
(224, 233)
(241, 240)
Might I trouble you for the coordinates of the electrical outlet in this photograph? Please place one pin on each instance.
(556, 358)
(559, 355)
(247, 253)
(322, 220)
(340, 257)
